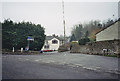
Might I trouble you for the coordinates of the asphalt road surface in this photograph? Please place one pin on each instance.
(59, 66)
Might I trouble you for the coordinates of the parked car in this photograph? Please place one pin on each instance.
(47, 50)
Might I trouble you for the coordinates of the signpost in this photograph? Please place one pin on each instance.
(29, 39)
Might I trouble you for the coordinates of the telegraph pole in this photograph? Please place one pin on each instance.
(63, 19)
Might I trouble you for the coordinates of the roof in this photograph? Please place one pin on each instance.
(107, 26)
(51, 37)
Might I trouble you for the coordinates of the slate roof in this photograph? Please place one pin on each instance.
(107, 26)
(51, 37)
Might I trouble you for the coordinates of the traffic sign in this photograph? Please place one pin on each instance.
(30, 38)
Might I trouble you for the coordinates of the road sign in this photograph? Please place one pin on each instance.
(30, 38)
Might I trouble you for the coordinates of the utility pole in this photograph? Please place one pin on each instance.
(63, 19)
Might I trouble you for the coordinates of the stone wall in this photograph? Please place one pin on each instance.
(20, 53)
(112, 47)
(80, 49)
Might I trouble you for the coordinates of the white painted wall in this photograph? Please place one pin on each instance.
(110, 33)
(52, 46)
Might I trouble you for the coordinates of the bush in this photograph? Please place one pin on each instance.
(62, 49)
(83, 41)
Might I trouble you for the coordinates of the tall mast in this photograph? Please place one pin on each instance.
(63, 19)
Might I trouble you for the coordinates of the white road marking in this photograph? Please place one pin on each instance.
(27, 59)
(89, 68)
(78, 65)
(36, 60)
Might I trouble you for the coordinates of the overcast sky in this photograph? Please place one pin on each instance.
(49, 14)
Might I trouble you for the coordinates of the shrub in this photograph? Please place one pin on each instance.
(83, 41)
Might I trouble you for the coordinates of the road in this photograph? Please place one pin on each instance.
(59, 66)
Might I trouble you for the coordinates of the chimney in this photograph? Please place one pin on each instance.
(53, 35)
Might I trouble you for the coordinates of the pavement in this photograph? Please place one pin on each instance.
(59, 66)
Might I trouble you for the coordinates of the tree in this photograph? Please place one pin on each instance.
(72, 38)
(15, 35)
(77, 31)
(86, 34)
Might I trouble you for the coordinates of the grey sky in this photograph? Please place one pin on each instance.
(49, 14)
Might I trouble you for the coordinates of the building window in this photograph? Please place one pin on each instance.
(46, 46)
(46, 42)
(54, 42)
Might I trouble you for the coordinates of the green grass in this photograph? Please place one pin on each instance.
(111, 55)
